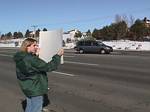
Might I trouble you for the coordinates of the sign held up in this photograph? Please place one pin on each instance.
(50, 42)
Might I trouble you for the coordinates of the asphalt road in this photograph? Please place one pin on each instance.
(119, 82)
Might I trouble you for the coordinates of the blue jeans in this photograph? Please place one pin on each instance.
(34, 104)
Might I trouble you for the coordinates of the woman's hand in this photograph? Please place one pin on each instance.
(37, 51)
(61, 52)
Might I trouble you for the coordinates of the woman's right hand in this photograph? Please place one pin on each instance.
(61, 52)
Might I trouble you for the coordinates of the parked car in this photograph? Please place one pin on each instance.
(92, 47)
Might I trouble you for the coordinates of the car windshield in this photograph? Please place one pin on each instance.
(100, 43)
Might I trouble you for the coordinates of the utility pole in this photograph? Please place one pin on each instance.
(34, 29)
(0, 35)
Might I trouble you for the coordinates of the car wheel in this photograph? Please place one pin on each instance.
(81, 51)
(102, 51)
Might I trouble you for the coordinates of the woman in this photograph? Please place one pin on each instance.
(31, 73)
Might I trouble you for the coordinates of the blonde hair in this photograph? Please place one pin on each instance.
(26, 43)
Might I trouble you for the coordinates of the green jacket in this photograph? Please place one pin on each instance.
(31, 73)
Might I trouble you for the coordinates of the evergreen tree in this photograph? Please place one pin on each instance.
(106, 33)
(37, 32)
(120, 30)
(44, 29)
(15, 35)
(88, 33)
(9, 35)
(138, 29)
(114, 31)
(2, 36)
(20, 35)
(27, 34)
(96, 34)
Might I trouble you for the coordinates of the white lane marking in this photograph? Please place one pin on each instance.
(90, 64)
(64, 73)
(69, 56)
(9, 48)
(6, 55)
(7, 52)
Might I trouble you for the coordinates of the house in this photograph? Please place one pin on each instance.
(147, 22)
(68, 37)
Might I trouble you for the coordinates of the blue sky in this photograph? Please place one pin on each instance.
(20, 15)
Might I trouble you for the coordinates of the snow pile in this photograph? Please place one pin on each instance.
(69, 45)
(128, 45)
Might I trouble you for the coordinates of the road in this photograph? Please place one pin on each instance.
(117, 82)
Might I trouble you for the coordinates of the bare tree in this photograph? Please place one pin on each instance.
(118, 18)
(132, 20)
(125, 19)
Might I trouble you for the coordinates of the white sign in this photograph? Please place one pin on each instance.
(50, 42)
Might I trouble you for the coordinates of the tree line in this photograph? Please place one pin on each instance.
(139, 30)
(122, 28)
(17, 35)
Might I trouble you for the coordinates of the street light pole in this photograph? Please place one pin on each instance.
(34, 29)
(0, 35)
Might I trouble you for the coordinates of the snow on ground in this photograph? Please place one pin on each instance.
(11, 43)
(117, 45)
(7, 45)
(129, 45)
(122, 45)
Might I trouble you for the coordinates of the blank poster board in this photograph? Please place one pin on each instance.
(50, 42)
